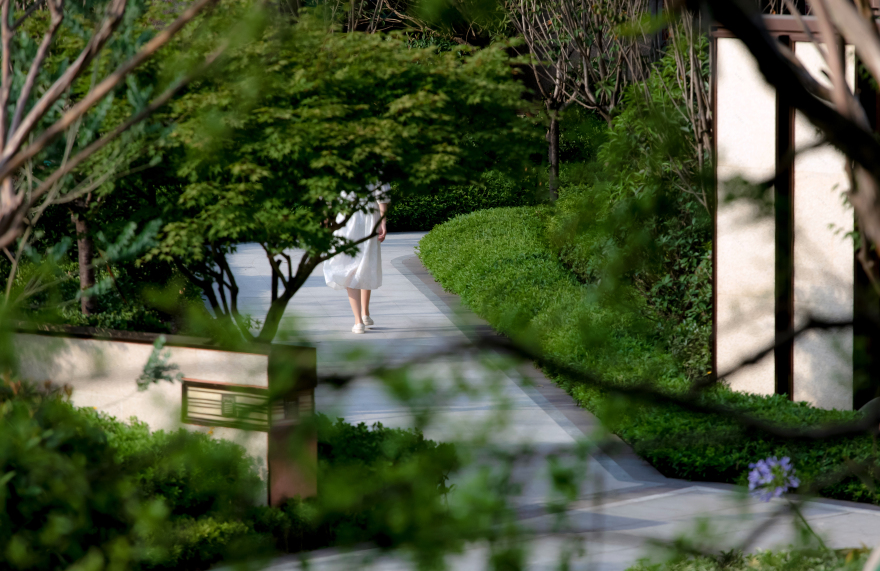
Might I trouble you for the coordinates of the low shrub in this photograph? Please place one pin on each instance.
(195, 474)
(64, 495)
(382, 484)
(501, 265)
(640, 213)
(77, 485)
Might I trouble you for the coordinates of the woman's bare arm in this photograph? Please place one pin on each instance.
(383, 212)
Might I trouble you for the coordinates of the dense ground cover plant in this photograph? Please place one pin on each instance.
(502, 266)
(814, 560)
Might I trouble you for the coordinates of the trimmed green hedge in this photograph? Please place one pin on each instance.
(500, 264)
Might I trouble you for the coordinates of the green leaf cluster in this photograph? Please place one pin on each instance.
(64, 498)
(290, 128)
(638, 214)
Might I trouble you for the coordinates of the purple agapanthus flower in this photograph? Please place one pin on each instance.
(771, 478)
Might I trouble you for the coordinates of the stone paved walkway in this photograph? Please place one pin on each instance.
(626, 504)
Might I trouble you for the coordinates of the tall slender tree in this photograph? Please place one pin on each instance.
(581, 52)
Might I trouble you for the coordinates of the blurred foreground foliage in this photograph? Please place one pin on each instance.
(80, 488)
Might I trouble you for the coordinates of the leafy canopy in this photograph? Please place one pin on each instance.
(267, 145)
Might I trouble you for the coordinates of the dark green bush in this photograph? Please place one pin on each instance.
(640, 214)
(500, 264)
(198, 543)
(76, 483)
(121, 303)
(383, 485)
(195, 475)
(581, 136)
(494, 189)
(64, 496)
(582, 133)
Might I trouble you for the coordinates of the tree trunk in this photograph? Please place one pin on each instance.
(276, 309)
(655, 8)
(553, 154)
(85, 255)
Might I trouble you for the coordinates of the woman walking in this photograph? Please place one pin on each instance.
(361, 273)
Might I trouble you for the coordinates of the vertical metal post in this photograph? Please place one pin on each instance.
(784, 210)
(293, 442)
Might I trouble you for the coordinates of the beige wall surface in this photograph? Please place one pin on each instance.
(103, 374)
(746, 134)
(823, 257)
(823, 274)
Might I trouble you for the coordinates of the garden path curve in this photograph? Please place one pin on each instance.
(626, 502)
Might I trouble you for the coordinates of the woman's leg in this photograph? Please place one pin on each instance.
(354, 298)
(365, 301)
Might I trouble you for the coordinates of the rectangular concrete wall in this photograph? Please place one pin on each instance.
(746, 143)
(103, 375)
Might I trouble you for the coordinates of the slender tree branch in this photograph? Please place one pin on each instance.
(5, 68)
(7, 233)
(12, 144)
(56, 9)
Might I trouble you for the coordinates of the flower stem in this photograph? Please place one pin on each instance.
(797, 511)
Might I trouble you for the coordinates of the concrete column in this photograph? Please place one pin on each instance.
(746, 142)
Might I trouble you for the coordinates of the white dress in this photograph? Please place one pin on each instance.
(364, 269)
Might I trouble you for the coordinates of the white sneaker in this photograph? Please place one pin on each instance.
(358, 328)
(367, 320)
